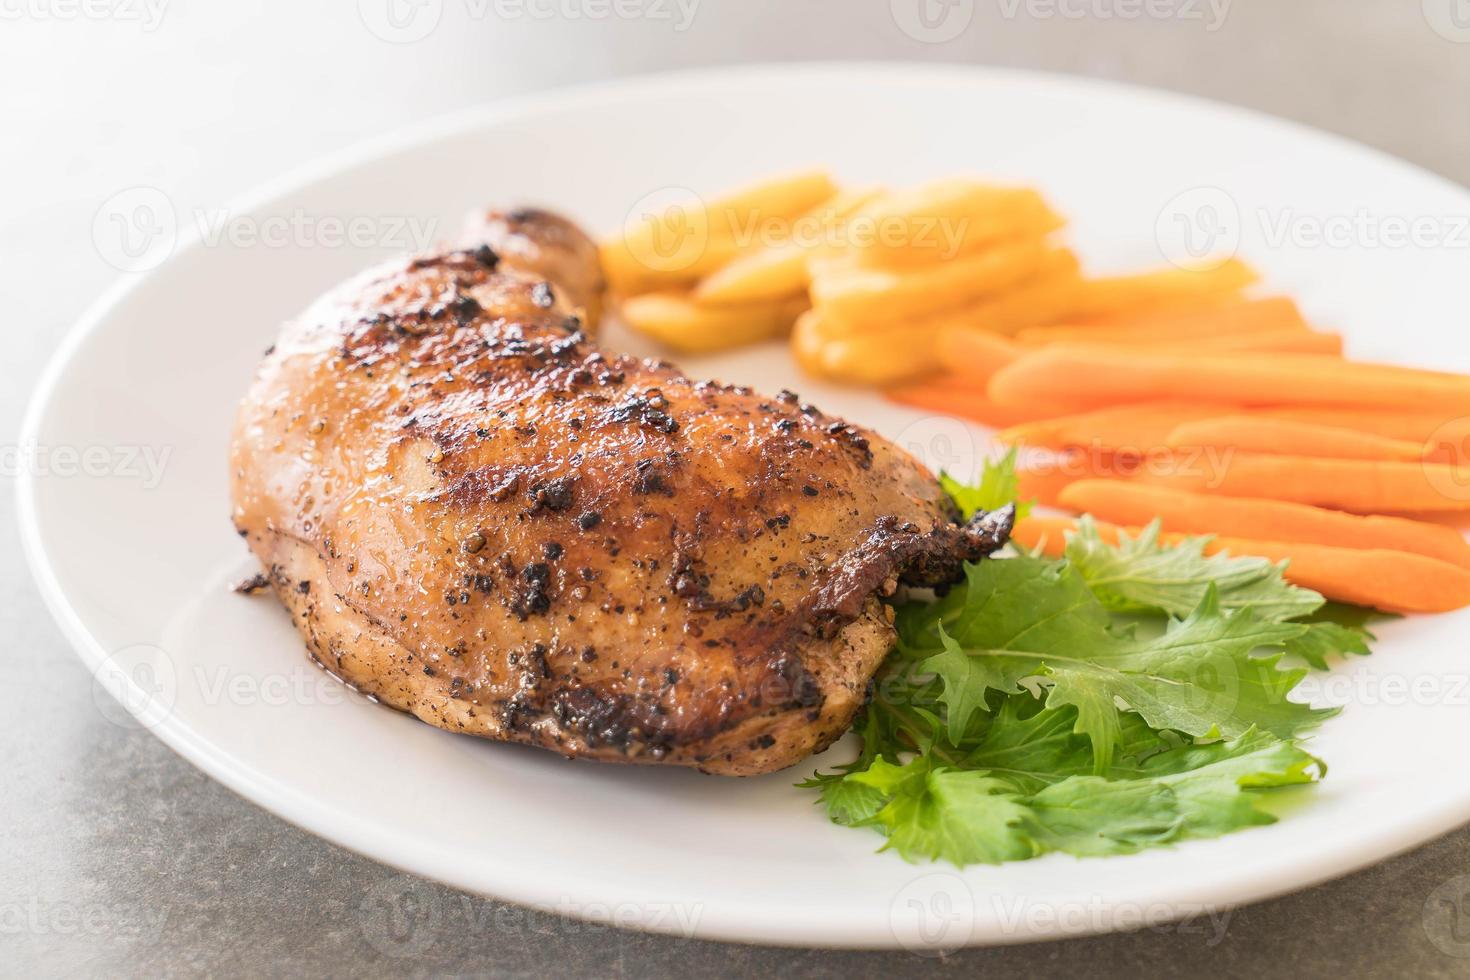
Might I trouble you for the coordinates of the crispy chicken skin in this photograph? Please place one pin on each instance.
(475, 515)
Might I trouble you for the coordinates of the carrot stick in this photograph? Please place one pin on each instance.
(1418, 427)
(1395, 581)
(977, 354)
(1282, 436)
(1292, 341)
(1125, 502)
(968, 403)
(1046, 484)
(1091, 376)
(1357, 485)
(1128, 429)
(1246, 316)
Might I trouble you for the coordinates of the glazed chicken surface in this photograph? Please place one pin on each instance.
(477, 516)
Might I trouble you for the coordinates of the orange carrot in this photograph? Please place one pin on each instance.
(977, 354)
(1092, 376)
(1128, 429)
(969, 403)
(1246, 316)
(1045, 483)
(1357, 485)
(1126, 502)
(1292, 341)
(1282, 436)
(1419, 427)
(1395, 581)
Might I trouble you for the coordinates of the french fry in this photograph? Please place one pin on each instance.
(1129, 503)
(1048, 293)
(679, 322)
(945, 219)
(866, 359)
(1162, 289)
(675, 246)
(851, 293)
(780, 270)
(1055, 274)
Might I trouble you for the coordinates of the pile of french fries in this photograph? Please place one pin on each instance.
(868, 280)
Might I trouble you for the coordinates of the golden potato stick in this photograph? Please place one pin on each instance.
(862, 359)
(780, 270)
(1161, 289)
(1132, 430)
(942, 221)
(1093, 376)
(1050, 292)
(1126, 502)
(852, 293)
(1395, 581)
(1360, 486)
(1285, 437)
(684, 325)
(1241, 316)
(679, 244)
(1034, 297)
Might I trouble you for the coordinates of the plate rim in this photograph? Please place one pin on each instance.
(717, 921)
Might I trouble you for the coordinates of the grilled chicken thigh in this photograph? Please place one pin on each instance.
(477, 516)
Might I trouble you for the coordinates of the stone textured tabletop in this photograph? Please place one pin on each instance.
(120, 859)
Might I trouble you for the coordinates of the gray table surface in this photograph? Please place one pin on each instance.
(120, 859)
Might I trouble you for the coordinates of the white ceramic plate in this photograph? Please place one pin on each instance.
(137, 570)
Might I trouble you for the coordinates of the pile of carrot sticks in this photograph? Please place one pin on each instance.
(1233, 419)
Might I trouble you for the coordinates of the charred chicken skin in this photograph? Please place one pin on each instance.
(477, 516)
